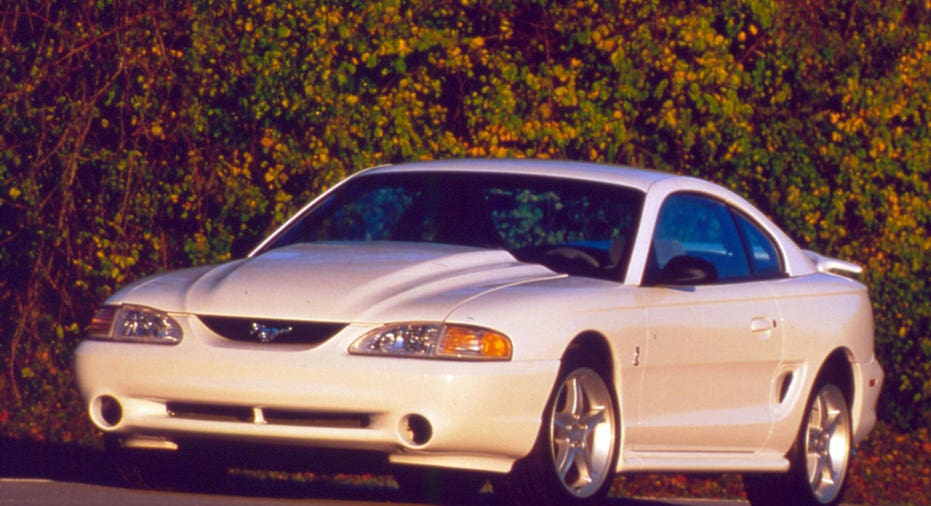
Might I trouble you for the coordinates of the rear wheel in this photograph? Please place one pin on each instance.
(819, 459)
(576, 452)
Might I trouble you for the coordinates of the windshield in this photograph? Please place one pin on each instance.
(576, 227)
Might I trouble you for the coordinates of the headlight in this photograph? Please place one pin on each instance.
(134, 323)
(434, 340)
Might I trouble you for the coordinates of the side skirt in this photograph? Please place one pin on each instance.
(702, 462)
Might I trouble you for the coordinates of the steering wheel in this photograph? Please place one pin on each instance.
(571, 253)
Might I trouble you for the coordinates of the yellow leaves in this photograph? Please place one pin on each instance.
(732, 150)
(286, 99)
(275, 176)
(851, 125)
(877, 147)
(607, 45)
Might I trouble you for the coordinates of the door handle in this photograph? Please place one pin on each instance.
(762, 325)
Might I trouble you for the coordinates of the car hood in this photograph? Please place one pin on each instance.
(339, 282)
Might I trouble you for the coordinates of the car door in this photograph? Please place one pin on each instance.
(714, 344)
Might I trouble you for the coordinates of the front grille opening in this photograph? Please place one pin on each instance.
(208, 412)
(268, 331)
(242, 414)
(316, 419)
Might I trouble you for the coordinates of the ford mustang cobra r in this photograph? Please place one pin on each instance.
(543, 324)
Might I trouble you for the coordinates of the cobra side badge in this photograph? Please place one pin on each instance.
(266, 333)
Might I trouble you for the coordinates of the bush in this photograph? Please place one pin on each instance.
(144, 136)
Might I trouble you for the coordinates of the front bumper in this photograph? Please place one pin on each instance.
(470, 415)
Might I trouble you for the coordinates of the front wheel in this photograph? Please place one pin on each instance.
(819, 459)
(576, 452)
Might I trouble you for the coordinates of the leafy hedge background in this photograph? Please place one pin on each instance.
(142, 136)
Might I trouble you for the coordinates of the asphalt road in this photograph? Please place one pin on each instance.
(66, 475)
(31, 491)
(26, 492)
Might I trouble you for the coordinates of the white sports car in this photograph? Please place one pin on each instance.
(543, 324)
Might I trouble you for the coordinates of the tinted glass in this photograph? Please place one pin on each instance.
(764, 256)
(699, 227)
(578, 227)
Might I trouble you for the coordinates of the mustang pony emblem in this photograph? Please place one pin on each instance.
(267, 334)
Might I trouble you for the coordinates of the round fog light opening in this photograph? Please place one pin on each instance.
(416, 430)
(109, 410)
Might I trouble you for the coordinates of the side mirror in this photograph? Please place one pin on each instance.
(687, 270)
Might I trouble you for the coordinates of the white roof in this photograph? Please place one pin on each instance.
(640, 179)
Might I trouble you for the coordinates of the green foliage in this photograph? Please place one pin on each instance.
(142, 136)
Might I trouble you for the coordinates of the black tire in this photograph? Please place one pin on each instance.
(818, 460)
(574, 459)
(438, 486)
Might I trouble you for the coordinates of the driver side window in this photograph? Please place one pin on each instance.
(700, 230)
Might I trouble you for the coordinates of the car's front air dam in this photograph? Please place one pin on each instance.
(417, 411)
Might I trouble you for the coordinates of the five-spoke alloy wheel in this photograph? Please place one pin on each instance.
(582, 432)
(576, 452)
(827, 443)
(818, 460)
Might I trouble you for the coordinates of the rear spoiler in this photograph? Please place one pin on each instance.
(832, 265)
